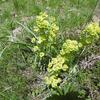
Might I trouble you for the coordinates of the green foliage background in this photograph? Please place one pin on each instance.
(16, 58)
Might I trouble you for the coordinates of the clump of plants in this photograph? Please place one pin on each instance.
(45, 31)
(61, 70)
(59, 65)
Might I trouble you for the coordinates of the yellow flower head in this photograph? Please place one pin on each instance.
(41, 54)
(33, 40)
(90, 33)
(43, 14)
(57, 65)
(35, 48)
(70, 46)
(52, 81)
(36, 29)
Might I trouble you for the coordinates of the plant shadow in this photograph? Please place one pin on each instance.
(69, 96)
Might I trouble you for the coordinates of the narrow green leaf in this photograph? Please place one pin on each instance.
(27, 29)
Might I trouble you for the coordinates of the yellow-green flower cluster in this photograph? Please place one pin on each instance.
(54, 68)
(52, 81)
(45, 27)
(90, 33)
(45, 30)
(70, 46)
(57, 65)
(42, 21)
